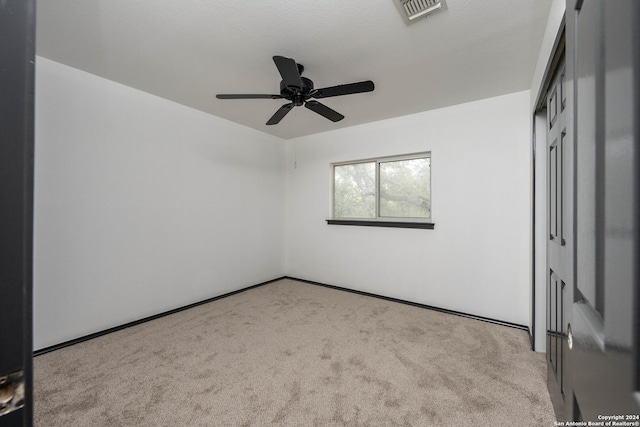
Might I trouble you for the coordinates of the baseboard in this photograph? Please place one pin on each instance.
(415, 304)
(146, 319)
(195, 304)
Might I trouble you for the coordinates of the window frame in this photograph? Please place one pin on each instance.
(380, 221)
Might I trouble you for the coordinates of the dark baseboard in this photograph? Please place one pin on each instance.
(186, 307)
(415, 304)
(146, 319)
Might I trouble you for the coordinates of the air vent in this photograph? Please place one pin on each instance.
(414, 9)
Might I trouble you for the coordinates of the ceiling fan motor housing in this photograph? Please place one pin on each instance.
(295, 94)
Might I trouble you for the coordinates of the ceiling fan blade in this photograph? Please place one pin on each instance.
(323, 110)
(288, 69)
(246, 96)
(348, 89)
(282, 111)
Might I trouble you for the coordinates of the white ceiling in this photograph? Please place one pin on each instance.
(190, 50)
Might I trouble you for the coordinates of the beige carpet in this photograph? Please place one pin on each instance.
(294, 354)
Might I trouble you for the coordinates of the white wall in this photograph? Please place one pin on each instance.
(143, 205)
(477, 260)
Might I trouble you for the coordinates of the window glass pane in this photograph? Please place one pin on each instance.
(405, 188)
(354, 191)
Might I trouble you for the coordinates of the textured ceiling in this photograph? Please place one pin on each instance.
(189, 50)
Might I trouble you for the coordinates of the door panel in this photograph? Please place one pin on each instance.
(599, 368)
(17, 54)
(553, 190)
(555, 350)
(589, 116)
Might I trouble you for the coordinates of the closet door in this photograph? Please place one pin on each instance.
(559, 260)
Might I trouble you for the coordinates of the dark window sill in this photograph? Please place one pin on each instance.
(373, 223)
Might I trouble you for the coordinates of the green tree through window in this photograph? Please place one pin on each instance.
(394, 188)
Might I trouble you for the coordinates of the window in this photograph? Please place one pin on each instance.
(387, 192)
(354, 190)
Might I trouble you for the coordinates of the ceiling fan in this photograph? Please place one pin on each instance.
(299, 90)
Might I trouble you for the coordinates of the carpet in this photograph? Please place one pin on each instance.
(295, 354)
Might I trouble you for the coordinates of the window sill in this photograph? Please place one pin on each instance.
(374, 223)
